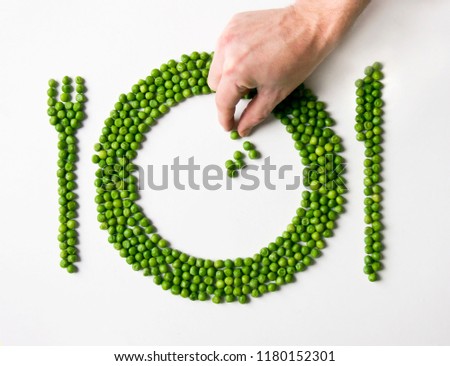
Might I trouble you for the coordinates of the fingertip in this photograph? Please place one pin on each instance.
(255, 113)
(225, 116)
(244, 132)
(227, 123)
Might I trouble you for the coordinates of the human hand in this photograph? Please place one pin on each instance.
(274, 51)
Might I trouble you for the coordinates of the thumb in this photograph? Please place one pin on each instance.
(256, 112)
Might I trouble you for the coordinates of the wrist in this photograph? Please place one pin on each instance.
(331, 18)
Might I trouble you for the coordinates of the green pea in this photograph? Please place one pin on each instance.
(253, 154)
(71, 268)
(234, 135)
(247, 145)
(239, 164)
(238, 155)
(229, 164)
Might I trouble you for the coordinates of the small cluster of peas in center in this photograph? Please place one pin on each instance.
(238, 161)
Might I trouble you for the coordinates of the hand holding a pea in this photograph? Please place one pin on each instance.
(274, 51)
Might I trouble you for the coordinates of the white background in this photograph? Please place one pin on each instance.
(113, 44)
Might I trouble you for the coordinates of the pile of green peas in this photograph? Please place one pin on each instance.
(238, 162)
(136, 239)
(369, 130)
(67, 116)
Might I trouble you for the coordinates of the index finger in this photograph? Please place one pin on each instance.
(228, 95)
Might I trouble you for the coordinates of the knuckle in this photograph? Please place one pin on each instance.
(254, 118)
(234, 68)
(257, 118)
(259, 114)
(272, 99)
(226, 39)
(229, 71)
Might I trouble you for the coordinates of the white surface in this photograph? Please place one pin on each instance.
(113, 44)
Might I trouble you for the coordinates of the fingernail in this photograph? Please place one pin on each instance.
(244, 133)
